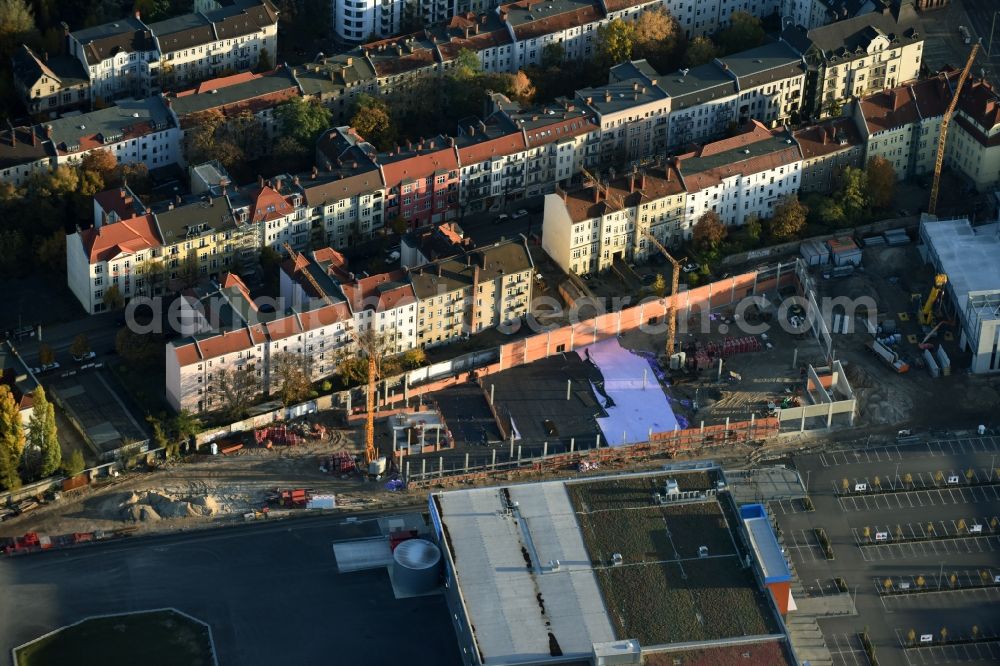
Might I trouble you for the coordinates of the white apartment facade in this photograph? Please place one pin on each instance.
(132, 130)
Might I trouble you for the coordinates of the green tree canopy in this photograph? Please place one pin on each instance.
(11, 439)
(373, 121)
(303, 120)
(42, 437)
(881, 181)
(699, 51)
(745, 32)
(789, 219)
(615, 42)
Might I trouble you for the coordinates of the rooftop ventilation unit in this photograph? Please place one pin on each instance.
(616, 559)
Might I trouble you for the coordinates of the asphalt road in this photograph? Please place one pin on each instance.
(100, 331)
(844, 520)
(271, 594)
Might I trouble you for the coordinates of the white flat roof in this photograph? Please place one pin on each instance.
(501, 592)
(968, 255)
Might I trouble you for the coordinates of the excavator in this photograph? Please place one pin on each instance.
(927, 311)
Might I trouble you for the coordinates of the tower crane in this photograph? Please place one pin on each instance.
(674, 285)
(320, 292)
(603, 189)
(945, 121)
(369, 343)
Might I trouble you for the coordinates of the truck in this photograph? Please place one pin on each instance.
(888, 356)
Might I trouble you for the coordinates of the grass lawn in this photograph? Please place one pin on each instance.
(160, 638)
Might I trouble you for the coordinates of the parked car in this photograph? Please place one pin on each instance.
(519, 214)
(45, 368)
(690, 267)
(501, 218)
(86, 356)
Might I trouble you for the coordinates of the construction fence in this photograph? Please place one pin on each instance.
(511, 464)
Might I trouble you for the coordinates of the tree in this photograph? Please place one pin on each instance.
(920, 581)
(101, 162)
(290, 378)
(700, 50)
(80, 346)
(867, 532)
(353, 369)
(209, 139)
(908, 479)
(944, 634)
(42, 437)
(185, 425)
(413, 358)
(553, 54)
(881, 181)
(373, 121)
(834, 109)
(113, 298)
(615, 42)
(45, 354)
(877, 482)
(709, 231)
(303, 120)
(656, 37)
(660, 285)
(140, 350)
(51, 252)
(830, 212)
(264, 61)
(74, 464)
(844, 485)
(522, 87)
(11, 439)
(745, 32)
(153, 10)
(789, 218)
(753, 227)
(11, 249)
(160, 439)
(17, 20)
(288, 155)
(237, 387)
(887, 584)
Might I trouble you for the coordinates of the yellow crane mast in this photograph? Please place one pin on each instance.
(945, 121)
(674, 286)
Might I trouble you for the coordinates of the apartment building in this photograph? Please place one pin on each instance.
(828, 148)
(244, 338)
(703, 103)
(337, 81)
(492, 155)
(698, 18)
(742, 176)
(462, 295)
(903, 124)
(345, 203)
(587, 229)
(561, 138)
(49, 84)
(858, 56)
(421, 182)
(128, 58)
(275, 210)
(22, 153)
(120, 58)
(384, 303)
(257, 94)
(770, 83)
(357, 20)
(116, 254)
(632, 111)
(133, 130)
(974, 135)
(815, 13)
(236, 37)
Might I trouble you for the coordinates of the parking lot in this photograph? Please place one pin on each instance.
(927, 511)
(92, 398)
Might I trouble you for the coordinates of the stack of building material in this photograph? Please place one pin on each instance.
(844, 251)
(896, 237)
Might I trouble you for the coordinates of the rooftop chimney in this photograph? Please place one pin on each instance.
(260, 181)
(138, 15)
(642, 180)
(822, 130)
(597, 194)
(631, 182)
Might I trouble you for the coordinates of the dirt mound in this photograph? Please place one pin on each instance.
(154, 505)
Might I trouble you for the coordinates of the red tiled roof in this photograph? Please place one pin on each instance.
(229, 342)
(981, 102)
(221, 82)
(574, 126)
(326, 315)
(267, 197)
(419, 166)
(890, 109)
(371, 293)
(557, 23)
(508, 144)
(819, 140)
(933, 96)
(752, 132)
(118, 201)
(282, 328)
(710, 177)
(123, 237)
